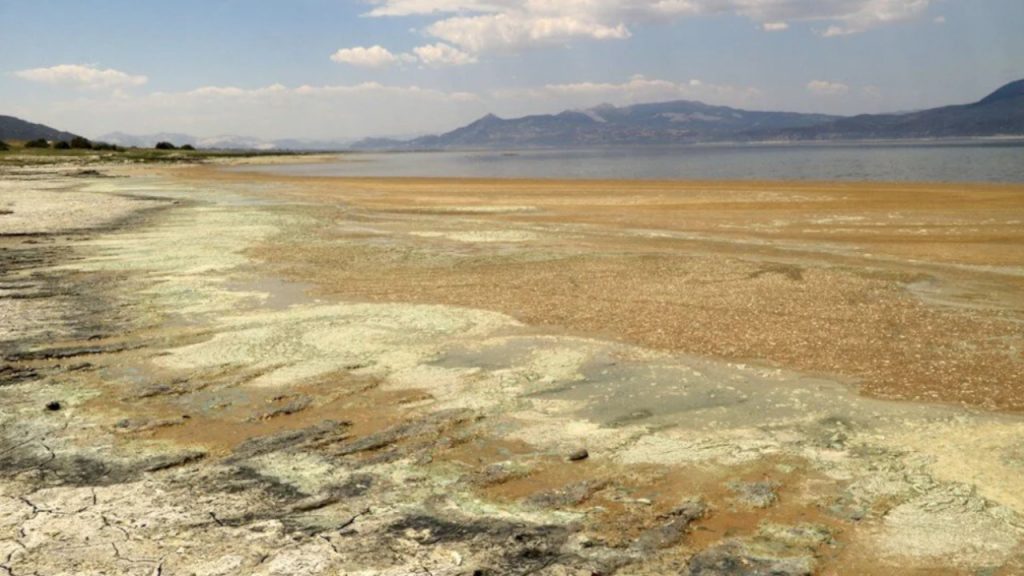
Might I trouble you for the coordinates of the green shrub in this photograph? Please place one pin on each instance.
(62, 145)
(37, 143)
(80, 143)
(105, 147)
(165, 146)
(188, 147)
(4, 146)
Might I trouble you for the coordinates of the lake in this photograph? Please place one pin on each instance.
(946, 162)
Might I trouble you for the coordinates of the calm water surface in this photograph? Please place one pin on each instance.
(967, 162)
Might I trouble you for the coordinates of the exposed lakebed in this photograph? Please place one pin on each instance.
(220, 412)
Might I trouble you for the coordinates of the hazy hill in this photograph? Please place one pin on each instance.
(12, 128)
(147, 140)
(684, 122)
(998, 114)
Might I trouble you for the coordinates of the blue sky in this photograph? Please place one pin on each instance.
(347, 69)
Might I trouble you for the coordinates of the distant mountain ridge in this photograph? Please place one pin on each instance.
(1001, 113)
(684, 122)
(12, 129)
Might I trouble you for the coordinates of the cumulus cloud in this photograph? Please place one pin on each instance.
(826, 88)
(477, 25)
(415, 7)
(519, 29)
(82, 76)
(433, 55)
(442, 54)
(365, 57)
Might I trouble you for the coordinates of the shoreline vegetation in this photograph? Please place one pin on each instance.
(98, 153)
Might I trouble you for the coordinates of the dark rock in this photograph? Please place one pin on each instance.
(53, 406)
(578, 455)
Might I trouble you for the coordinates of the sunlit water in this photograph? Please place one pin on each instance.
(960, 162)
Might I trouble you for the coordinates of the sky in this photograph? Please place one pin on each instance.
(347, 69)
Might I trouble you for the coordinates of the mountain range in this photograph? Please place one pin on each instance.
(1001, 113)
(16, 129)
(685, 122)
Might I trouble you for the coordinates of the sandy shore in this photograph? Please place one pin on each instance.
(278, 375)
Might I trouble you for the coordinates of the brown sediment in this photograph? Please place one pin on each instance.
(914, 291)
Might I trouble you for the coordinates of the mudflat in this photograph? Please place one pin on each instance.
(211, 371)
(914, 291)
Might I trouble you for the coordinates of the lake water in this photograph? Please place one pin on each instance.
(960, 162)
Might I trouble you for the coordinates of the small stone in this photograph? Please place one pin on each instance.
(578, 455)
(53, 406)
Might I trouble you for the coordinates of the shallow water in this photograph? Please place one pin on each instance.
(946, 162)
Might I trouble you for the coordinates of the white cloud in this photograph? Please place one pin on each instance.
(481, 24)
(365, 57)
(475, 27)
(939, 19)
(518, 29)
(826, 88)
(82, 76)
(417, 7)
(442, 54)
(434, 55)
